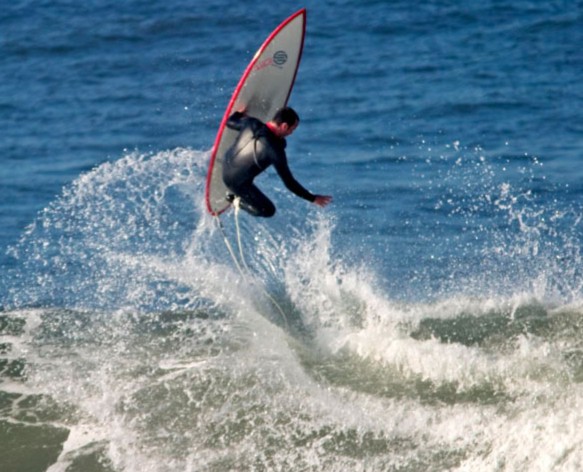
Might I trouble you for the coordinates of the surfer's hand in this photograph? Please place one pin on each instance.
(242, 109)
(322, 200)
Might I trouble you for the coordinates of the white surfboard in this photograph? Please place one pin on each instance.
(264, 88)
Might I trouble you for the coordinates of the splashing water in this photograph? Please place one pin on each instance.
(130, 342)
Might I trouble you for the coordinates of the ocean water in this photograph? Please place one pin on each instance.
(432, 315)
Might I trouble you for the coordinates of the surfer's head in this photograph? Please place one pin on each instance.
(286, 115)
(285, 122)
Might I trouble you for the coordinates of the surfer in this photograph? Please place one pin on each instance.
(258, 146)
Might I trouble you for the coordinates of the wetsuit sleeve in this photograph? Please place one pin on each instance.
(280, 164)
(237, 121)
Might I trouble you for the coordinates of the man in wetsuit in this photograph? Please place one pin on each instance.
(257, 147)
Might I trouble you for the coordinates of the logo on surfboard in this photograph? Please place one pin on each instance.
(278, 60)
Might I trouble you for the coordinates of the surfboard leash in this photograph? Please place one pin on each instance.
(220, 226)
(234, 257)
(237, 205)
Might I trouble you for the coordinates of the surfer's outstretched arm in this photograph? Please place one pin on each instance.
(281, 165)
(282, 168)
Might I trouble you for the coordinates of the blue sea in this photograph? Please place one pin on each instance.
(429, 319)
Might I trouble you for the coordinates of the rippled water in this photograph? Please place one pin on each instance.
(431, 315)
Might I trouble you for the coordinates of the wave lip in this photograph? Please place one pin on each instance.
(131, 340)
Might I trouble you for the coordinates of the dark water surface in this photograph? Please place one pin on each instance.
(432, 313)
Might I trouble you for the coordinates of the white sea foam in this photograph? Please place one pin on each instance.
(221, 384)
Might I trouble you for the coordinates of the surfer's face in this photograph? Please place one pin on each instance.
(287, 130)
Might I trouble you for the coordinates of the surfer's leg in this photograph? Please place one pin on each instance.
(255, 202)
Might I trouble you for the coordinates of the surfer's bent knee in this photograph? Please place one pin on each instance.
(268, 212)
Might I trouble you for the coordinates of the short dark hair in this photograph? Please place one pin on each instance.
(286, 115)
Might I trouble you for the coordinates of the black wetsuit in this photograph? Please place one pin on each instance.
(255, 149)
